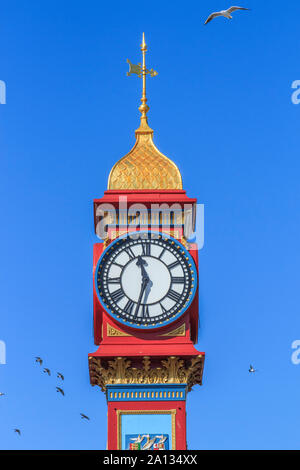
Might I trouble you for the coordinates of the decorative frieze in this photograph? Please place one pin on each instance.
(171, 370)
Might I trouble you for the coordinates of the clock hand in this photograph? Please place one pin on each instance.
(144, 284)
(148, 290)
(140, 263)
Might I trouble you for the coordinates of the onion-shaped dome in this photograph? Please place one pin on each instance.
(144, 167)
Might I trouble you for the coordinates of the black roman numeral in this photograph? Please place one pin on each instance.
(128, 307)
(177, 280)
(146, 247)
(173, 295)
(173, 265)
(162, 252)
(145, 311)
(164, 310)
(114, 280)
(117, 295)
(130, 252)
(119, 265)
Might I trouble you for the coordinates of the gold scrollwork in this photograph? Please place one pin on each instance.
(111, 331)
(144, 412)
(180, 331)
(171, 370)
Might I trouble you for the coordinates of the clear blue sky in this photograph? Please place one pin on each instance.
(221, 109)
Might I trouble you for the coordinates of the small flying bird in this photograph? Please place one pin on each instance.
(84, 416)
(60, 376)
(60, 390)
(252, 370)
(225, 13)
(39, 360)
(2, 394)
(17, 431)
(47, 371)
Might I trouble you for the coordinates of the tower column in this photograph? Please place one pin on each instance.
(142, 417)
(145, 295)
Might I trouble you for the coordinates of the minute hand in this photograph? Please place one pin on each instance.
(144, 284)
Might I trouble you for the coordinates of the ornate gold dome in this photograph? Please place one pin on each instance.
(144, 167)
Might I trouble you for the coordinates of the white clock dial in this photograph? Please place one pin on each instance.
(146, 280)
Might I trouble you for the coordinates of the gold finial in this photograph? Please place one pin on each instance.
(141, 71)
(144, 167)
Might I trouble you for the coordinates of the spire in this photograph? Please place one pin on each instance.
(141, 71)
(144, 167)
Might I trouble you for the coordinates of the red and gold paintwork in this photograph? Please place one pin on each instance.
(162, 358)
(116, 340)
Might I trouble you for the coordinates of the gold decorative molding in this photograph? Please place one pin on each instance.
(172, 370)
(111, 331)
(180, 331)
(119, 414)
(113, 234)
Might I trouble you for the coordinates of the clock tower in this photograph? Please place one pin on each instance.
(145, 287)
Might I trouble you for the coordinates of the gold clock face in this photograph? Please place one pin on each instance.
(146, 280)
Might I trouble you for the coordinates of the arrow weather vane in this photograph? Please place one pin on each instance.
(141, 71)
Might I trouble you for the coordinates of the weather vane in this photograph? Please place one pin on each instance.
(141, 71)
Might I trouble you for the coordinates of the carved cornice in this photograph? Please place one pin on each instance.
(170, 370)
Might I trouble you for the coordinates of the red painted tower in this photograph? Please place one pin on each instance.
(145, 296)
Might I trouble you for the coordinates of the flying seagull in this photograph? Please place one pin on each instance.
(47, 371)
(17, 431)
(39, 360)
(252, 370)
(2, 394)
(225, 13)
(60, 376)
(60, 390)
(84, 416)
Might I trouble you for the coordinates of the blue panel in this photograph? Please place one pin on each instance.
(159, 392)
(145, 424)
(147, 442)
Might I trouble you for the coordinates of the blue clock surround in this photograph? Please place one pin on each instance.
(167, 322)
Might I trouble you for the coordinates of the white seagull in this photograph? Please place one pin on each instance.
(252, 370)
(225, 13)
